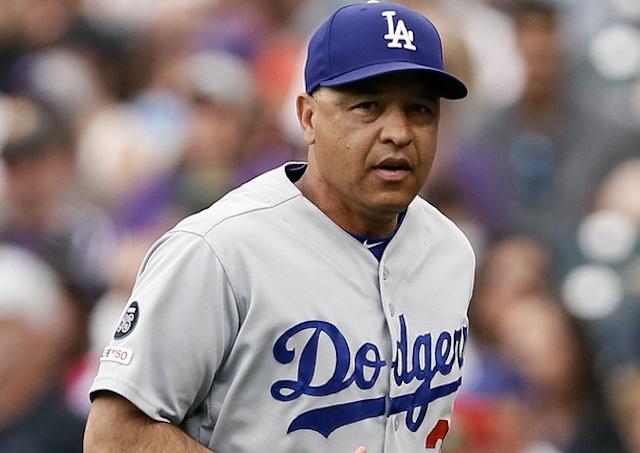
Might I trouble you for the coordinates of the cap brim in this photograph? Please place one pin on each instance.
(447, 85)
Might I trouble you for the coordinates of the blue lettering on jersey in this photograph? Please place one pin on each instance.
(420, 361)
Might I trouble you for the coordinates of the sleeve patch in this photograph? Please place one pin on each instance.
(119, 355)
(128, 321)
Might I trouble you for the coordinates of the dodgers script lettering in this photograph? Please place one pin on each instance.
(420, 360)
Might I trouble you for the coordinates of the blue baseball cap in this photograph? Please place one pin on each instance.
(364, 40)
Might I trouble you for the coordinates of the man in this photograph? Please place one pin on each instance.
(321, 306)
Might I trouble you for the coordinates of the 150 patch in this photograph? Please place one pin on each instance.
(120, 355)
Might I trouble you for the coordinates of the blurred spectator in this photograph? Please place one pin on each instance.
(42, 209)
(270, 37)
(602, 286)
(490, 414)
(620, 191)
(35, 329)
(125, 144)
(533, 166)
(488, 31)
(522, 337)
(566, 408)
(509, 269)
(221, 92)
(28, 25)
(66, 77)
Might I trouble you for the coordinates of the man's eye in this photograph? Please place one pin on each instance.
(368, 105)
(422, 108)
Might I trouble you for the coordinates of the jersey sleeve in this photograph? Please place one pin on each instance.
(176, 330)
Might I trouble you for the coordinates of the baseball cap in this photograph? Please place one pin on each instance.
(364, 40)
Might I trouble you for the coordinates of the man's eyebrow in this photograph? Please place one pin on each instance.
(365, 88)
(361, 88)
(428, 95)
(359, 92)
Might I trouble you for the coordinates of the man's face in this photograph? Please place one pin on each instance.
(372, 144)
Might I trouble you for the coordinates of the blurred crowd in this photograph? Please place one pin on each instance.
(118, 118)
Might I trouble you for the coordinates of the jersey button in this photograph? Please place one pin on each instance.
(392, 310)
(396, 423)
(385, 273)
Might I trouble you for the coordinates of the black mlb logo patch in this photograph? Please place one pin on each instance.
(128, 321)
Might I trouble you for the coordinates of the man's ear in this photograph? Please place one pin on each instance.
(306, 106)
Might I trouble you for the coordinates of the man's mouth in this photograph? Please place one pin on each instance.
(393, 169)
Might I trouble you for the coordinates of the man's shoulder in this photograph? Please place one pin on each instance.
(431, 213)
(244, 204)
(437, 224)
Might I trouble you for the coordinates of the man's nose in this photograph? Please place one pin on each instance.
(396, 127)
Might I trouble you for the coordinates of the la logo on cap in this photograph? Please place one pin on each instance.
(398, 32)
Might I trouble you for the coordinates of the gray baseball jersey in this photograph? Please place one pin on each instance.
(260, 324)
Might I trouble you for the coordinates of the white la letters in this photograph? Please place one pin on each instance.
(398, 32)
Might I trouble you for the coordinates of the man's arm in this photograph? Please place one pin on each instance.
(116, 425)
